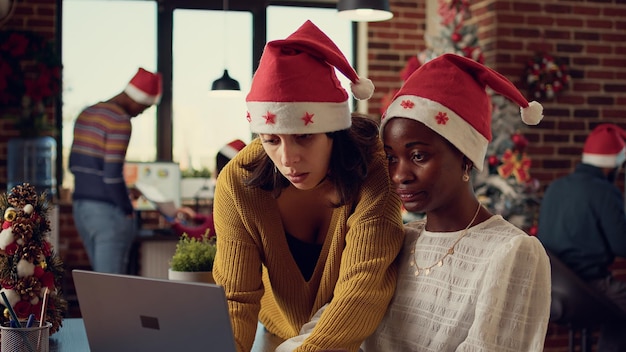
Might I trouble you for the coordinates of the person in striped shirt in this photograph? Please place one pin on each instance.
(102, 209)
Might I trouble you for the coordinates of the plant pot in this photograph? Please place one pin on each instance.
(191, 276)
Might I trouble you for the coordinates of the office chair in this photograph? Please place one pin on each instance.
(578, 306)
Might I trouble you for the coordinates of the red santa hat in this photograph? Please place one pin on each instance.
(231, 149)
(448, 94)
(295, 89)
(145, 87)
(605, 146)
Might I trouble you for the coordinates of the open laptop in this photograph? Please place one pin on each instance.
(124, 313)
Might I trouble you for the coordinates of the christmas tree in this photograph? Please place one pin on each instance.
(505, 186)
(30, 271)
(456, 36)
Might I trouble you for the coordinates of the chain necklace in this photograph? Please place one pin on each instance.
(450, 251)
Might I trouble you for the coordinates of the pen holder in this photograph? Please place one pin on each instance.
(33, 339)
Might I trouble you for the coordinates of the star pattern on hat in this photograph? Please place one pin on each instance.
(442, 118)
(248, 117)
(270, 118)
(307, 118)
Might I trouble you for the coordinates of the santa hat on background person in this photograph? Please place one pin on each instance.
(231, 149)
(295, 89)
(448, 94)
(145, 87)
(605, 146)
(227, 153)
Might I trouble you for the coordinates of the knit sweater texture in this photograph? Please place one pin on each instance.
(491, 295)
(355, 273)
(101, 136)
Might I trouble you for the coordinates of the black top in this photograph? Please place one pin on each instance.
(305, 255)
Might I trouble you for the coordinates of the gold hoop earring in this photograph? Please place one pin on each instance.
(466, 176)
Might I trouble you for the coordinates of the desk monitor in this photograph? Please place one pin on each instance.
(162, 176)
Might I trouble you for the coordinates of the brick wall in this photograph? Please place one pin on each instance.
(589, 35)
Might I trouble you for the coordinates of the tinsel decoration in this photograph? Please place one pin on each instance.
(28, 263)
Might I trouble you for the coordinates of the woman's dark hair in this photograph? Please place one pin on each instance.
(353, 150)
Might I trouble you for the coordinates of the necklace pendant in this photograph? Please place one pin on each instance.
(451, 251)
(427, 272)
(440, 263)
(412, 262)
(417, 272)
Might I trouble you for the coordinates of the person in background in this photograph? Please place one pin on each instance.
(102, 208)
(468, 280)
(196, 224)
(227, 153)
(305, 214)
(582, 222)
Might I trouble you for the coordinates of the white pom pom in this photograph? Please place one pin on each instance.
(6, 237)
(25, 268)
(12, 296)
(28, 208)
(532, 114)
(362, 89)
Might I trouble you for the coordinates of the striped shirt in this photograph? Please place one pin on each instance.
(101, 136)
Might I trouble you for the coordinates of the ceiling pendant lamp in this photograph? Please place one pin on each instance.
(364, 10)
(225, 85)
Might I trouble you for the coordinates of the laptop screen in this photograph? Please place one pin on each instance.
(125, 313)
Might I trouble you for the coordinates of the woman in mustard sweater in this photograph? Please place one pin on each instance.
(305, 213)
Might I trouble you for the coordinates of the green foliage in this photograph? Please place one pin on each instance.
(193, 254)
(191, 172)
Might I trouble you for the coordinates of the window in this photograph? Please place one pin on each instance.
(105, 41)
(202, 49)
(104, 44)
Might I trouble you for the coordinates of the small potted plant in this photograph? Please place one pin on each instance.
(193, 259)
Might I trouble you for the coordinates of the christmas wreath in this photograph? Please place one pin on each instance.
(30, 79)
(545, 76)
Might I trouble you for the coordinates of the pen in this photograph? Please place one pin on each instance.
(17, 321)
(11, 311)
(31, 320)
(44, 305)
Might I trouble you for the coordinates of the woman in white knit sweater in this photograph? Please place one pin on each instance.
(468, 280)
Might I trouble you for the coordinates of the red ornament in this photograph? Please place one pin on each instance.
(456, 37)
(533, 230)
(519, 141)
(493, 160)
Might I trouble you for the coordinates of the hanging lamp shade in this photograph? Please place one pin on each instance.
(364, 10)
(224, 85)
